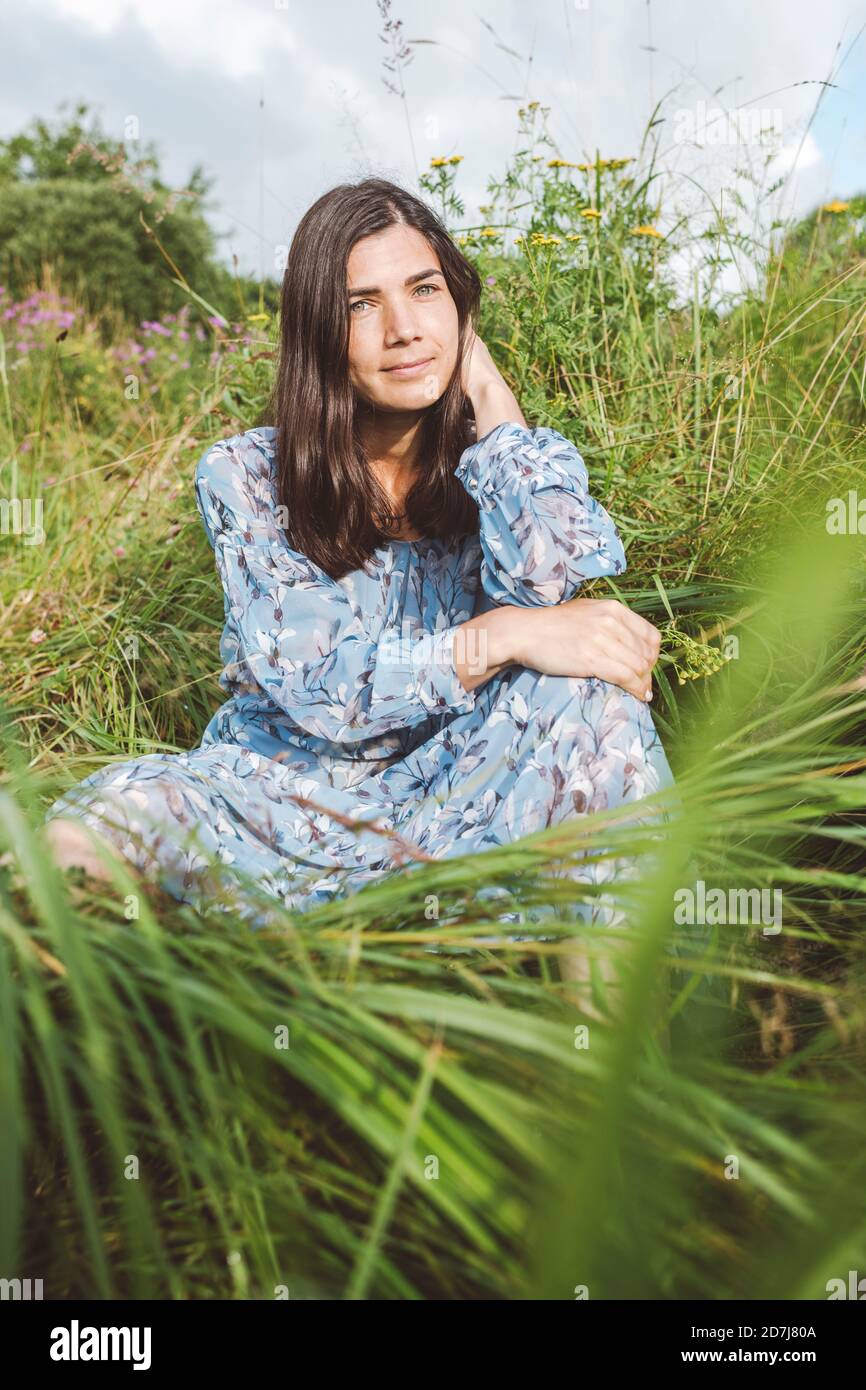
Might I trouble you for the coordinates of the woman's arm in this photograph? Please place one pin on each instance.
(302, 640)
(581, 637)
(484, 645)
(542, 534)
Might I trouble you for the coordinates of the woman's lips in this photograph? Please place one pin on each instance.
(409, 371)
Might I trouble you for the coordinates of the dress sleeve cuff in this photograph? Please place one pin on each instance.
(420, 667)
(510, 455)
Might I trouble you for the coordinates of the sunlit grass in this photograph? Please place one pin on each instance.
(389, 1096)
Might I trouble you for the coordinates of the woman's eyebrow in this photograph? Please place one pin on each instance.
(410, 280)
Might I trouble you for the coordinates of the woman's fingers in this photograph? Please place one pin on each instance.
(643, 632)
(630, 646)
(620, 670)
(617, 662)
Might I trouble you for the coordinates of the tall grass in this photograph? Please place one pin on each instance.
(388, 1097)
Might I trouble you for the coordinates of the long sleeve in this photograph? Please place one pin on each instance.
(301, 638)
(541, 532)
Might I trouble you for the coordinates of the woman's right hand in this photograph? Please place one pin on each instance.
(587, 637)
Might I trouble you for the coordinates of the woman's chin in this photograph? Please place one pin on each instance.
(406, 398)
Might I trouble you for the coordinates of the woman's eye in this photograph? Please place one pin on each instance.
(358, 302)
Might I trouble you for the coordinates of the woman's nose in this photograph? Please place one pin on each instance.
(400, 322)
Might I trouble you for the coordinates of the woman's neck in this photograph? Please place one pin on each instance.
(390, 441)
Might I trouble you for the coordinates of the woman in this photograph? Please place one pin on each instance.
(407, 663)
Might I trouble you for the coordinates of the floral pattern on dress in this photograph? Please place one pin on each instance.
(345, 716)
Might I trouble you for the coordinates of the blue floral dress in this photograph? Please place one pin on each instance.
(347, 742)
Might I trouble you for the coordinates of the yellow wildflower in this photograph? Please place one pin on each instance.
(455, 159)
(645, 231)
(590, 212)
(606, 164)
(835, 206)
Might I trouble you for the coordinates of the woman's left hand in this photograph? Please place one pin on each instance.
(492, 398)
(479, 369)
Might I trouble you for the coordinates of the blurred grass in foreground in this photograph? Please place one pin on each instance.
(365, 1101)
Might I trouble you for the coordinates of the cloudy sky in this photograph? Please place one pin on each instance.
(281, 99)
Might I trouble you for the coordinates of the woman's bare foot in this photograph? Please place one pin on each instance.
(72, 846)
(574, 967)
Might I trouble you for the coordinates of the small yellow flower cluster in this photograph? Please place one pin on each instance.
(590, 212)
(835, 206)
(539, 239)
(645, 231)
(695, 660)
(445, 159)
(486, 232)
(604, 164)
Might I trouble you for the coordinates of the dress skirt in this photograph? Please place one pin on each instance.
(348, 743)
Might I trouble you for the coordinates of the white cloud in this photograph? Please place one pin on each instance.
(231, 37)
(194, 70)
(797, 155)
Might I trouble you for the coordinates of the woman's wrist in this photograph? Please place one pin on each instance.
(507, 634)
(494, 403)
(483, 646)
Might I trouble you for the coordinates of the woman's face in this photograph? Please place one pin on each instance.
(400, 312)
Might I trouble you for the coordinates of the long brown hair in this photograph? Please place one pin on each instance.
(331, 497)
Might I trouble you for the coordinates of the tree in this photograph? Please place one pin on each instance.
(72, 196)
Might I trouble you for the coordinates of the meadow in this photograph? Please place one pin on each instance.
(331, 1109)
